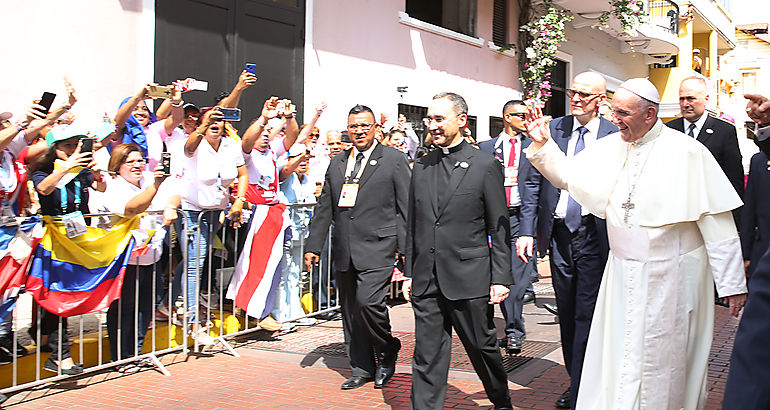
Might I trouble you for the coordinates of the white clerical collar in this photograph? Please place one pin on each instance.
(653, 133)
(698, 124)
(592, 126)
(445, 150)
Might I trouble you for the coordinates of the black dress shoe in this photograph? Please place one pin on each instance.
(528, 298)
(355, 382)
(513, 346)
(551, 308)
(387, 365)
(563, 402)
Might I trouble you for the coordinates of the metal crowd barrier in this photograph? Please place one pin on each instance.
(224, 320)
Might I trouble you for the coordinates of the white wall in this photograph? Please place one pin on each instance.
(360, 53)
(594, 50)
(106, 49)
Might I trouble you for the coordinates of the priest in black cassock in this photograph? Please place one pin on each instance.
(458, 257)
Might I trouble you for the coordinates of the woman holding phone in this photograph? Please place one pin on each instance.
(133, 191)
(212, 162)
(52, 171)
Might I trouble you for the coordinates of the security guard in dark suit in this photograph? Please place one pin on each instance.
(365, 193)
(456, 203)
(717, 135)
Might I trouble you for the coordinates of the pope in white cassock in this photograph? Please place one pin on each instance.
(667, 204)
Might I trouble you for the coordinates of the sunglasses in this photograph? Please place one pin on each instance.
(517, 114)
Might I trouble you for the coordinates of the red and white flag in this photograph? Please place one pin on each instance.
(259, 266)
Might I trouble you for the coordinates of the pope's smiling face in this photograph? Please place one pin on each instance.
(632, 115)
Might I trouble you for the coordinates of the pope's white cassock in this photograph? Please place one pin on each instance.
(667, 204)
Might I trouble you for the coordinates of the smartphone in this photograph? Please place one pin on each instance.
(165, 161)
(158, 91)
(197, 85)
(88, 145)
(251, 68)
(231, 114)
(103, 131)
(46, 101)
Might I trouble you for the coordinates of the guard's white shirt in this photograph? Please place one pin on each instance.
(504, 143)
(352, 159)
(698, 125)
(589, 138)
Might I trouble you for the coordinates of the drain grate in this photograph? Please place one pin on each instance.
(329, 341)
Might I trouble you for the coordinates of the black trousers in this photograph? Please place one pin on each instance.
(125, 312)
(513, 305)
(748, 386)
(365, 320)
(434, 318)
(577, 264)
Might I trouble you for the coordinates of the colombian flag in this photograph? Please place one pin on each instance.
(80, 275)
(17, 243)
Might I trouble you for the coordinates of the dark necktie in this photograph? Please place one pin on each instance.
(572, 219)
(357, 167)
(692, 131)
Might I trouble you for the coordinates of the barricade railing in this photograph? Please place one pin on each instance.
(170, 275)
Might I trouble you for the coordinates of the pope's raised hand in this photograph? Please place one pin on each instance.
(537, 125)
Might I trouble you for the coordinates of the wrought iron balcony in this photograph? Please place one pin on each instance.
(664, 14)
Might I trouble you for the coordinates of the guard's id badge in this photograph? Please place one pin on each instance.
(511, 176)
(348, 195)
(75, 224)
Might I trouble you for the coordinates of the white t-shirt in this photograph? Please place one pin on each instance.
(208, 173)
(119, 192)
(156, 136)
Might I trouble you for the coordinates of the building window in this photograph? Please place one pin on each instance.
(495, 126)
(455, 15)
(557, 104)
(472, 127)
(749, 83)
(500, 23)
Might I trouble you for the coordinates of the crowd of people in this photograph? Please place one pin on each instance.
(638, 218)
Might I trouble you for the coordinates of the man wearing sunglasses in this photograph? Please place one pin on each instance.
(575, 239)
(507, 148)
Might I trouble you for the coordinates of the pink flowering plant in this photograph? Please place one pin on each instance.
(630, 14)
(544, 34)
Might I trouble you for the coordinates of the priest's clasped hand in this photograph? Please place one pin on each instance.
(497, 293)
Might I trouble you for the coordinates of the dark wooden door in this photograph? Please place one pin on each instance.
(212, 40)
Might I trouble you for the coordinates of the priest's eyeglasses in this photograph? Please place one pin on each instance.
(583, 95)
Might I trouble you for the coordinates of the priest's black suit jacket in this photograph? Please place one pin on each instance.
(467, 235)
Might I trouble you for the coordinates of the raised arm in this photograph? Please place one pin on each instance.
(193, 140)
(287, 110)
(305, 133)
(125, 111)
(141, 201)
(255, 129)
(245, 80)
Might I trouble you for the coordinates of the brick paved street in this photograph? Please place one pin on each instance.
(304, 369)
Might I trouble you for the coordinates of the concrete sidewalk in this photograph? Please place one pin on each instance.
(304, 369)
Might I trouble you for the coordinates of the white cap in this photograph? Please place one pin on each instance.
(643, 88)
